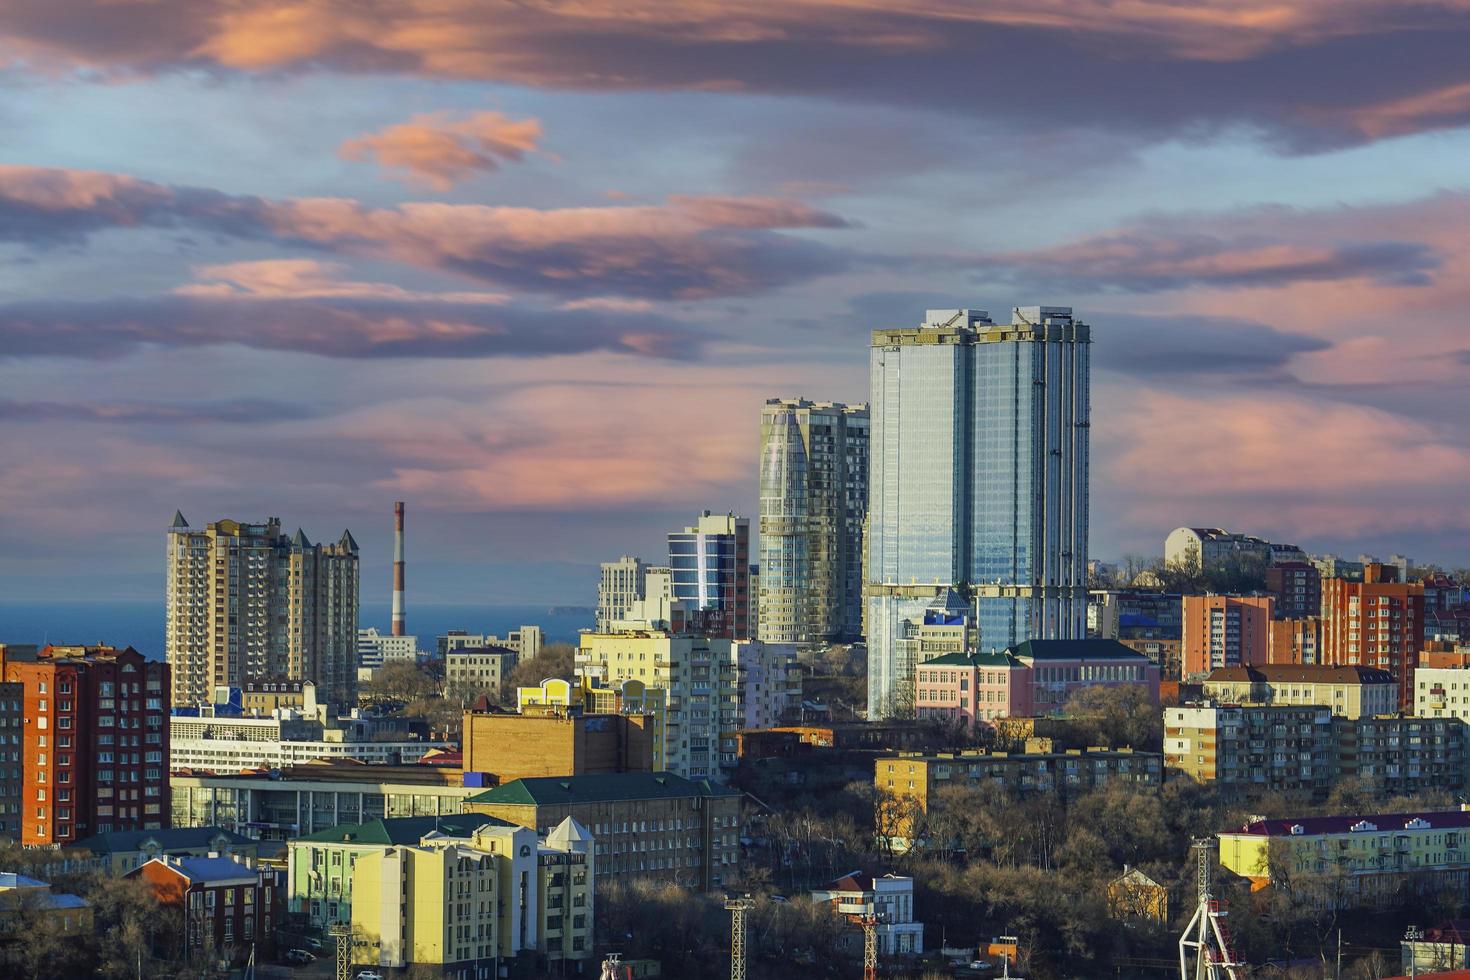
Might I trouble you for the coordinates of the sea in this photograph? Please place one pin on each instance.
(140, 624)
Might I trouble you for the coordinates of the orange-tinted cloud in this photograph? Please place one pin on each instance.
(308, 279)
(438, 150)
(690, 247)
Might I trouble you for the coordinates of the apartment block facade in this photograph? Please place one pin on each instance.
(95, 742)
(1349, 692)
(709, 564)
(228, 905)
(244, 600)
(12, 736)
(1248, 750)
(813, 503)
(621, 585)
(1377, 622)
(1297, 588)
(1225, 631)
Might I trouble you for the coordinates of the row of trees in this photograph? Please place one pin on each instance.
(418, 691)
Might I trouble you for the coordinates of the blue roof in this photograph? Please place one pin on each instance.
(9, 879)
(208, 868)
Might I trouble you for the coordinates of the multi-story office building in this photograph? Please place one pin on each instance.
(374, 649)
(813, 502)
(978, 478)
(585, 695)
(1349, 692)
(713, 686)
(1354, 861)
(244, 600)
(1248, 750)
(224, 744)
(619, 588)
(1377, 622)
(646, 825)
(12, 734)
(1297, 588)
(1225, 631)
(314, 796)
(95, 752)
(482, 669)
(709, 562)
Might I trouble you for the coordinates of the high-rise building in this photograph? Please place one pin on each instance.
(978, 479)
(710, 565)
(621, 586)
(95, 748)
(1225, 631)
(1377, 622)
(12, 730)
(813, 502)
(1297, 587)
(244, 600)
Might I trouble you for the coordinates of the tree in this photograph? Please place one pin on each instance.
(554, 660)
(1117, 715)
(400, 681)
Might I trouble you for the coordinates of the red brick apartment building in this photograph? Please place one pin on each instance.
(225, 902)
(94, 742)
(1377, 622)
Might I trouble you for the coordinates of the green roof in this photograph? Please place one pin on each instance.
(973, 659)
(1075, 650)
(403, 830)
(119, 841)
(604, 788)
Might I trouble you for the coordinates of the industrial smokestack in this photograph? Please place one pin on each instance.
(399, 628)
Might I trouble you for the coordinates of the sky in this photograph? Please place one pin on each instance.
(533, 267)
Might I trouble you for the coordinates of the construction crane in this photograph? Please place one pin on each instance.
(612, 968)
(1206, 933)
(737, 908)
(343, 934)
(869, 922)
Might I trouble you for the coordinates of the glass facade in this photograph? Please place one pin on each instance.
(709, 565)
(979, 476)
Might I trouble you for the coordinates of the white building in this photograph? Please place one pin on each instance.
(479, 668)
(375, 649)
(619, 588)
(1442, 692)
(233, 744)
(890, 898)
(526, 641)
(1206, 547)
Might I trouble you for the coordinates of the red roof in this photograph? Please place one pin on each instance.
(1383, 822)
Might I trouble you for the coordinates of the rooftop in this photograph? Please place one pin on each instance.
(976, 659)
(1302, 674)
(601, 788)
(404, 830)
(1097, 649)
(1371, 823)
(179, 837)
(206, 870)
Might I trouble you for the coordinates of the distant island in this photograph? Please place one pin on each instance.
(572, 611)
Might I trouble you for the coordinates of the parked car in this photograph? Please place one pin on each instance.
(299, 956)
(369, 975)
(981, 965)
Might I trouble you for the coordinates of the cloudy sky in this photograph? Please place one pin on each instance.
(534, 266)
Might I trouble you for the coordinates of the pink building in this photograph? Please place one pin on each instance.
(1035, 678)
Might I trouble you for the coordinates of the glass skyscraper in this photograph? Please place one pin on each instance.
(813, 499)
(710, 567)
(978, 481)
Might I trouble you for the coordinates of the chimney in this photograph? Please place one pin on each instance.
(398, 624)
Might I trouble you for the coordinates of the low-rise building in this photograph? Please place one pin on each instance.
(1444, 947)
(1134, 895)
(261, 697)
(228, 905)
(1404, 755)
(225, 744)
(314, 796)
(889, 897)
(553, 741)
(374, 649)
(586, 695)
(121, 851)
(1349, 692)
(646, 825)
(22, 896)
(1353, 861)
(525, 643)
(482, 669)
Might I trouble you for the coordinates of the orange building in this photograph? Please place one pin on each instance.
(1296, 641)
(1444, 654)
(95, 742)
(1377, 622)
(1225, 631)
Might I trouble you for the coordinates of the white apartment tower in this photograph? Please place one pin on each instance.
(243, 600)
(621, 586)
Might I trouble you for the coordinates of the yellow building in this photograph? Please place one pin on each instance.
(464, 902)
(630, 697)
(1134, 895)
(1353, 861)
(1349, 691)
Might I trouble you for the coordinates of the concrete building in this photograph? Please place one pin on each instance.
(1296, 641)
(978, 477)
(1225, 631)
(21, 897)
(620, 586)
(1360, 861)
(12, 736)
(553, 741)
(1402, 756)
(888, 897)
(1035, 678)
(646, 825)
(1443, 947)
(709, 562)
(525, 643)
(260, 697)
(464, 904)
(587, 696)
(121, 851)
(482, 669)
(1203, 548)
(224, 744)
(1377, 622)
(1442, 692)
(95, 747)
(374, 649)
(713, 686)
(314, 796)
(244, 600)
(229, 906)
(1297, 588)
(1150, 623)
(1348, 692)
(1249, 750)
(813, 503)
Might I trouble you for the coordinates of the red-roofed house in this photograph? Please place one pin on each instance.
(890, 898)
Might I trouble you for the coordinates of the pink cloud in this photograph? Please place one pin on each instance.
(438, 150)
(308, 278)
